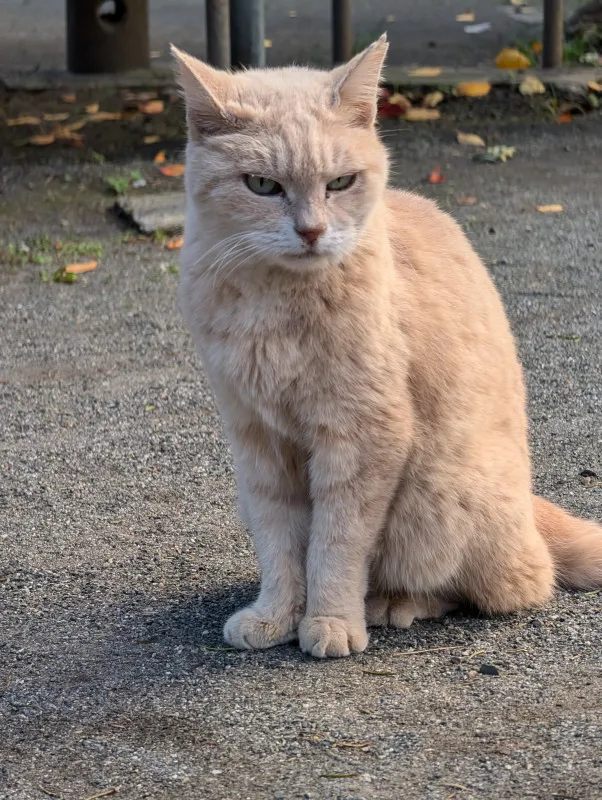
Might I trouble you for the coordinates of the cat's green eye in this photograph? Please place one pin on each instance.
(338, 184)
(263, 186)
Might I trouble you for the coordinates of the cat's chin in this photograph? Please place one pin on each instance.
(306, 262)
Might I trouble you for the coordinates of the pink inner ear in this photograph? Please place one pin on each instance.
(356, 84)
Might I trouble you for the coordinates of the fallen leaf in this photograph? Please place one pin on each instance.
(78, 124)
(152, 107)
(472, 139)
(56, 117)
(433, 99)
(175, 244)
(105, 116)
(537, 47)
(390, 18)
(594, 86)
(493, 155)
(401, 100)
(292, 14)
(160, 157)
(389, 110)
(511, 58)
(436, 176)
(267, 43)
(467, 16)
(565, 118)
(421, 114)
(480, 27)
(151, 139)
(531, 84)
(69, 97)
(472, 89)
(173, 170)
(553, 208)
(42, 139)
(91, 108)
(11, 123)
(78, 269)
(466, 201)
(425, 72)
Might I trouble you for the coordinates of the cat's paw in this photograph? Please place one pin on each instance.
(250, 630)
(331, 637)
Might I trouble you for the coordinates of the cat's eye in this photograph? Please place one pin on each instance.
(338, 184)
(263, 186)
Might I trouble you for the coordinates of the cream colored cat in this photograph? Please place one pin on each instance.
(364, 367)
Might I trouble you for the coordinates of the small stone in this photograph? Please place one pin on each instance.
(488, 669)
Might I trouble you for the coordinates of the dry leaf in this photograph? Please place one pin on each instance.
(22, 121)
(472, 89)
(565, 118)
(422, 114)
(511, 58)
(56, 117)
(467, 16)
(531, 84)
(554, 208)
(78, 124)
(433, 99)
(401, 100)
(69, 97)
(267, 43)
(42, 139)
(472, 139)
(172, 170)
(537, 47)
(175, 244)
(594, 86)
(151, 139)
(425, 72)
(436, 176)
(78, 269)
(152, 107)
(389, 110)
(466, 201)
(105, 116)
(160, 157)
(91, 108)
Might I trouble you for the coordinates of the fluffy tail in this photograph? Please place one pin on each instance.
(575, 545)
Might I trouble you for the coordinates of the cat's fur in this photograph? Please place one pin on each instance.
(369, 383)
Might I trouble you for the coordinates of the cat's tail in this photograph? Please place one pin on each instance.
(575, 545)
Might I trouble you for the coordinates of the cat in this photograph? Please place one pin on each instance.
(364, 369)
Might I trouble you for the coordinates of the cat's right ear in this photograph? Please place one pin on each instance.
(207, 92)
(356, 84)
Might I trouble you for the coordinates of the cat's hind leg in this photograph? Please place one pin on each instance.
(400, 612)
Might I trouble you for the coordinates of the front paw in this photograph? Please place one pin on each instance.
(332, 637)
(250, 630)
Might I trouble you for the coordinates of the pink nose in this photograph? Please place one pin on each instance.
(311, 235)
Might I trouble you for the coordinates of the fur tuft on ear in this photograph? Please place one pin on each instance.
(207, 92)
(355, 84)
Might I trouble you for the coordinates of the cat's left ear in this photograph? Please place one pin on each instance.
(356, 84)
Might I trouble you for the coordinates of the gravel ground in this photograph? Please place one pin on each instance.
(121, 554)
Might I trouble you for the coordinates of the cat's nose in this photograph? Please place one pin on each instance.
(311, 235)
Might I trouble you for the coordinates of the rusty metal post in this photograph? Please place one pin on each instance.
(218, 33)
(247, 33)
(342, 36)
(553, 33)
(107, 35)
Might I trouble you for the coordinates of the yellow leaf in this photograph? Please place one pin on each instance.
(421, 114)
(594, 86)
(470, 138)
(70, 97)
(433, 99)
(425, 72)
(267, 43)
(91, 108)
(467, 16)
(42, 139)
(175, 244)
(397, 99)
(152, 107)
(473, 89)
(78, 269)
(554, 208)
(105, 116)
(172, 170)
(160, 157)
(22, 121)
(537, 47)
(530, 84)
(151, 139)
(511, 58)
(55, 117)
(78, 124)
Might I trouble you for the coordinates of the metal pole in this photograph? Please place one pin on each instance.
(247, 33)
(218, 33)
(342, 36)
(553, 33)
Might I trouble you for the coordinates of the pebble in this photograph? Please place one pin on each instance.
(488, 669)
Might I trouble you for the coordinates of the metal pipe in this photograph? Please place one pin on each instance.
(218, 33)
(342, 35)
(553, 33)
(247, 33)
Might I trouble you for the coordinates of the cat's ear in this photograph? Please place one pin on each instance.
(356, 84)
(208, 93)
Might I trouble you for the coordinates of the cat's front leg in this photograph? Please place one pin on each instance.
(351, 485)
(273, 495)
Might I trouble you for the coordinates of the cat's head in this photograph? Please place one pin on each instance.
(283, 165)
